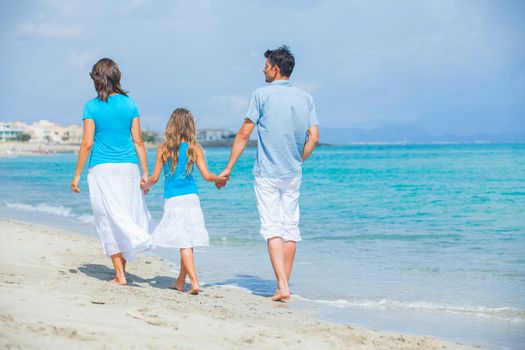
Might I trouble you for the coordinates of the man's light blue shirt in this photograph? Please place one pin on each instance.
(283, 114)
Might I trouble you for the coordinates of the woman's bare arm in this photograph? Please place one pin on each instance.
(136, 135)
(156, 171)
(85, 150)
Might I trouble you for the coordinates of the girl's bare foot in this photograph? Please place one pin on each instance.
(177, 287)
(194, 288)
(275, 295)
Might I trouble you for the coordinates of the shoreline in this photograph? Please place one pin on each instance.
(54, 294)
(16, 148)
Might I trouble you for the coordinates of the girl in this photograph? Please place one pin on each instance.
(182, 224)
(112, 140)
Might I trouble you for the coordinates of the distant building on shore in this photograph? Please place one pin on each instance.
(42, 131)
(207, 135)
(10, 131)
(46, 132)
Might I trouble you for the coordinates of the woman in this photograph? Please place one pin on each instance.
(113, 138)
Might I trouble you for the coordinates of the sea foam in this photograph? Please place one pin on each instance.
(53, 210)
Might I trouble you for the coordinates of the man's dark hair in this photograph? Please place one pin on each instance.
(282, 58)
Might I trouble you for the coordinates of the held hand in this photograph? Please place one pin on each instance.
(221, 182)
(224, 174)
(74, 184)
(145, 185)
(143, 181)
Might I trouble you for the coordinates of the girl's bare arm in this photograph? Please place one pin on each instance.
(206, 174)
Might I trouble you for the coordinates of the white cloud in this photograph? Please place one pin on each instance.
(233, 104)
(82, 59)
(309, 86)
(48, 30)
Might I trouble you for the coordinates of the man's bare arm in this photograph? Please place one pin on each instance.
(239, 144)
(312, 142)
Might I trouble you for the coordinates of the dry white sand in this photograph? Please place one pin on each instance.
(54, 294)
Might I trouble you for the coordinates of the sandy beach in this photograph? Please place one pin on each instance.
(54, 294)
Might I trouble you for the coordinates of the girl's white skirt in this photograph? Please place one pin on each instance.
(182, 225)
(122, 219)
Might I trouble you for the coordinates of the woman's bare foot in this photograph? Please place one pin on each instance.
(280, 297)
(179, 284)
(121, 281)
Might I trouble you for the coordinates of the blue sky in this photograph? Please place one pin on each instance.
(445, 66)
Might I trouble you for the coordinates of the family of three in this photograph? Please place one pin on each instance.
(287, 133)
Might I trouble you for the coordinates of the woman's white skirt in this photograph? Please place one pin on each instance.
(182, 224)
(121, 216)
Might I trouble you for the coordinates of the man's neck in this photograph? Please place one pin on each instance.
(281, 77)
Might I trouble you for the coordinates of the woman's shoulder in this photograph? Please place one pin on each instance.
(92, 102)
(124, 98)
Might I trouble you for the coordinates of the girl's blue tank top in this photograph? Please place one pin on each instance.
(179, 183)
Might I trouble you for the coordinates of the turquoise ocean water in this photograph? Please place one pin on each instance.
(423, 239)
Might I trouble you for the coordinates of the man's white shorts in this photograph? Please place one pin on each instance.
(278, 204)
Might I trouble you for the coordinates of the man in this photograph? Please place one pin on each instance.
(287, 133)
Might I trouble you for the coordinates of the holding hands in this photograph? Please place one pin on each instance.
(145, 184)
(226, 175)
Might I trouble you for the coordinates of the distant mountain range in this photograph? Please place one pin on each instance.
(408, 134)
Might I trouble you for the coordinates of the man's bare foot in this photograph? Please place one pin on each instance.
(281, 294)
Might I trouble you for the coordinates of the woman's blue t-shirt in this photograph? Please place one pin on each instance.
(178, 183)
(113, 119)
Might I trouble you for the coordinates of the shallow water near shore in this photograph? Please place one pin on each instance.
(418, 239)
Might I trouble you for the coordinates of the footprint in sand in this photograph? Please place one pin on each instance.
(145, 315)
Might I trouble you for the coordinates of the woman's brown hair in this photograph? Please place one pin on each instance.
(106, 76)
(180, 127)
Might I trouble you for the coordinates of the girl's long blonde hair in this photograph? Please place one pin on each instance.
(180, 127)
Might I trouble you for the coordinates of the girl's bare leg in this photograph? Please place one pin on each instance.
(120, 278)
(186, 255)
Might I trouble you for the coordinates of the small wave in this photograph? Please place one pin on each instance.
(53, 210)
(86, 219)
(501, 313)
(387, 237)
(42, 208)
